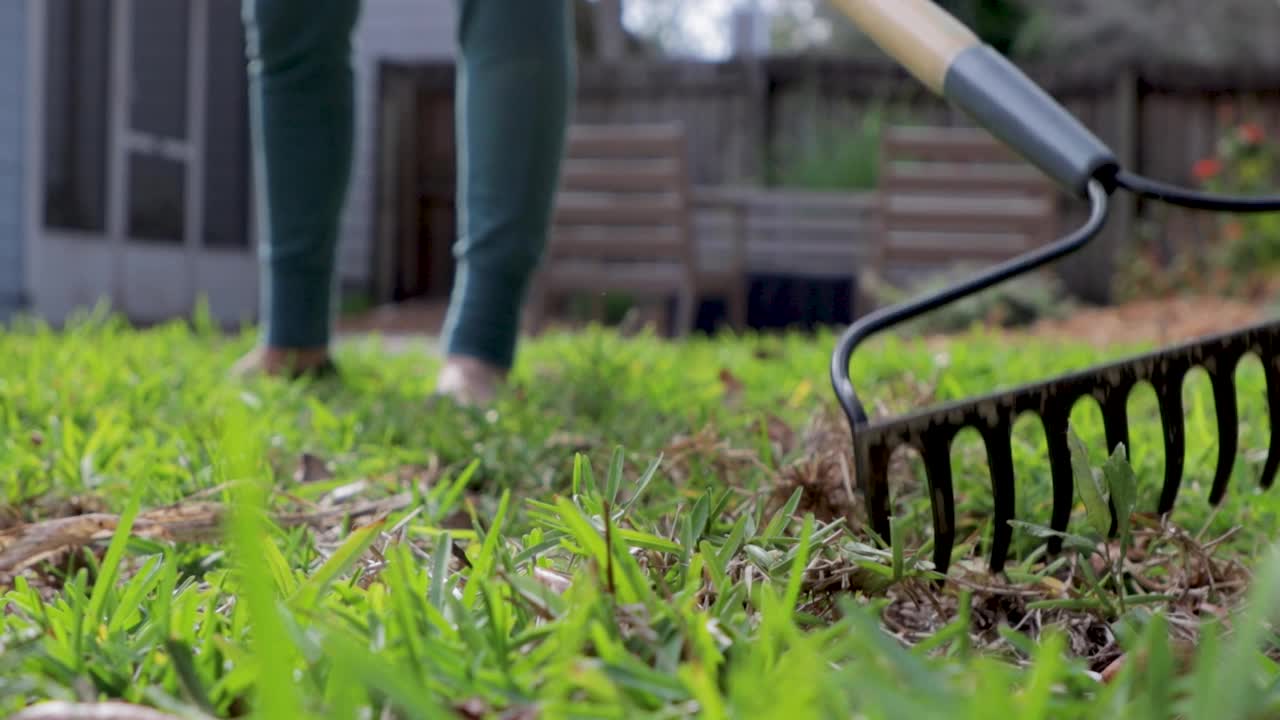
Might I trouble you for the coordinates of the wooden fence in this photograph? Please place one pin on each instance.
(746, 117)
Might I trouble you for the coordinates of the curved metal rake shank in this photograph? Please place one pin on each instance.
(955, 64)
(930, 432)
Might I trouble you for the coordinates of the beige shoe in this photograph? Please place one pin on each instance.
(293, 364)
(469, 381)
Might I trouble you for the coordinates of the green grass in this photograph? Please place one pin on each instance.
(625, 535)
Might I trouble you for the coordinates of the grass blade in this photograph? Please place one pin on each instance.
(1087, 482)
(308, 594)
(107, 575)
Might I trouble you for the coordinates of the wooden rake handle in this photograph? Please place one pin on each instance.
(953, 62)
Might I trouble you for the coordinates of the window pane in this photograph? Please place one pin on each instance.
(159, 102)
(78, 52)
(226, 166)
(156, 192)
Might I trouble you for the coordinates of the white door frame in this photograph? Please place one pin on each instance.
(33, 167)
(68, 270)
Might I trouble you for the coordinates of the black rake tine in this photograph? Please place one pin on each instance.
(1168, 387)
(1052, 400)
(1273, 410)
(1115, 419)
(873, 476)
(935, 451)
(1056, 421)
(1000, 465)
(1224, 400)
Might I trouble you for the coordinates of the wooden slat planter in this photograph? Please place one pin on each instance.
(623, 223)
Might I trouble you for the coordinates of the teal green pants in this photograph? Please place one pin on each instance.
(514, 94)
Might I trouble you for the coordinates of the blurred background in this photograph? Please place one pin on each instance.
(124, 156)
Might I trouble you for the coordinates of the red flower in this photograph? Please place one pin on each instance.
(1207, 169)
(1252, 133)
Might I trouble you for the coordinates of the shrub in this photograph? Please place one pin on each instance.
(1018, 302)
(840, 157)
(1243, 250)
(1247, 163)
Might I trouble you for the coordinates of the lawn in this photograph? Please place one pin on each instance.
(638, 529)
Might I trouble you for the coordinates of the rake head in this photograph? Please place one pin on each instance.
(946, 56)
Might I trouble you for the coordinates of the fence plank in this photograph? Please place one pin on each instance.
(744, 116)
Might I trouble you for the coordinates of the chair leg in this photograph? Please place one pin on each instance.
(738, 307)
(535, 310)
(686, 310)
(597, 311)
(660, 317)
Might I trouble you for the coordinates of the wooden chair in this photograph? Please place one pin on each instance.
(811, 234)
(623, 224)
(952, 196)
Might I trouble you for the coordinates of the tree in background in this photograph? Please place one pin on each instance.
(998, 22)
(1239, 33)
(602, 34)
(659, 24)
(1221, 33)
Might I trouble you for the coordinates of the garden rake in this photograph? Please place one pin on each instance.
(944, 54)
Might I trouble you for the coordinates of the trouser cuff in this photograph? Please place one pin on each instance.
(298, 307)
(484, 316)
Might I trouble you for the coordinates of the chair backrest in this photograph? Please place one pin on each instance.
(624, 195)
(952, 196)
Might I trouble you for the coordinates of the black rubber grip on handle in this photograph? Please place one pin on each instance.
(1001, 98)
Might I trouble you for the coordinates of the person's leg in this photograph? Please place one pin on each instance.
(303, 122)
(516, 80)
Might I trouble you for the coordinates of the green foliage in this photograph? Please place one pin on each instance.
(580, 551)
(997, 22)
(1107, 492)
(1090, 483)
(1241, 255)
(1246, 163)
(1225, 35)
(1016, 303)
(839, 157)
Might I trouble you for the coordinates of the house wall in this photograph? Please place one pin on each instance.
(402, 29)
(391, 29)
(13, 69)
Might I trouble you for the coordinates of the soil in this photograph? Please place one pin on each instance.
(1158, 322)
(415, 317)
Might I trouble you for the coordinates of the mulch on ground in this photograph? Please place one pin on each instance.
(1157, 321)
(1160, 321)
(414, 317)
